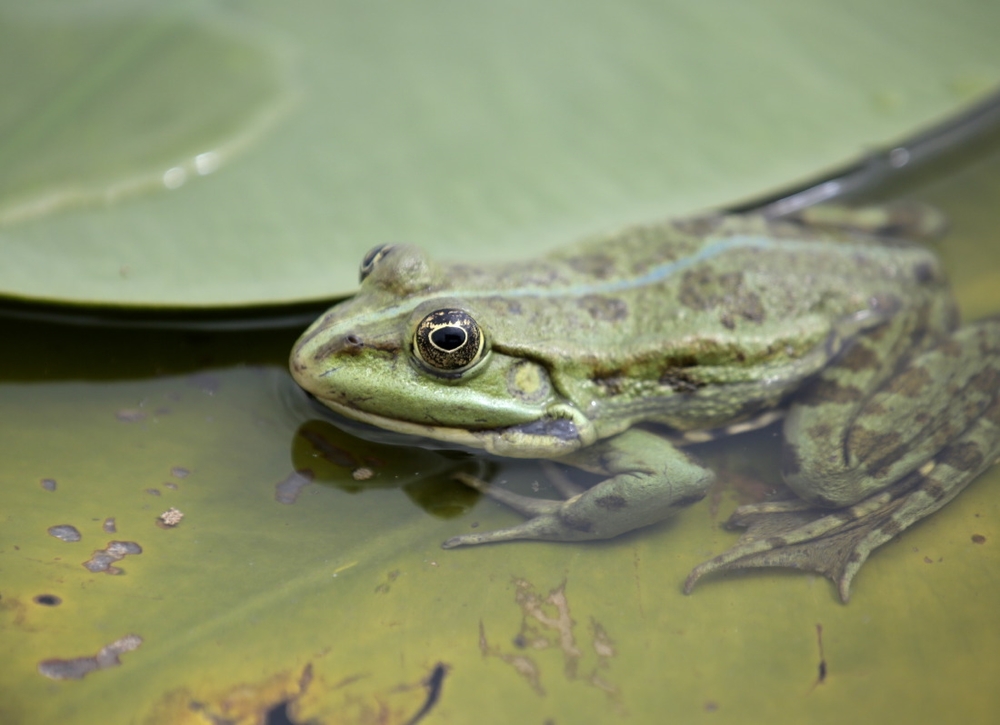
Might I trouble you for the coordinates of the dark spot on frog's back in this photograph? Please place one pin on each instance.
(750, 307)
(910, 383)
(702, 288)
(986, 381)
(605, 309)
(699, 226)
(746, 305)
(859, 357)
(830, 391)
(992, 413)
(950, 348)
(505, 305)
(600, 266)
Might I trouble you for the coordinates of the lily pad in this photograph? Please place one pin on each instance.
(473, 130)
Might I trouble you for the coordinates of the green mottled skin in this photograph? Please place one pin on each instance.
(705, 325)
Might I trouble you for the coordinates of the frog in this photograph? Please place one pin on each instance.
(614, 354)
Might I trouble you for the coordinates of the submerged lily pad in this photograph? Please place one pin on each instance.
(474, 130)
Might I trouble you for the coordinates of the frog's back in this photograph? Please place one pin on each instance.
(708, 309)
(720, 279)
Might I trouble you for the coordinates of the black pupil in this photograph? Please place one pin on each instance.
(448, 338)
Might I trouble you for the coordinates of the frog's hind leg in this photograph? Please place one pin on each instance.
(912, 469)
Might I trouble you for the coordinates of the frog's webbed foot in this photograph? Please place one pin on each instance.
(836, 543)
(648, 479)
(800, 537)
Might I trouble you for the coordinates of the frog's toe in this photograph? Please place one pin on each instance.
(545, 520)
(545, 527)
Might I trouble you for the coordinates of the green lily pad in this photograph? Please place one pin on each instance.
(474, 130)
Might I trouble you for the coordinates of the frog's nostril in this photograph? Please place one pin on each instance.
(353, 340)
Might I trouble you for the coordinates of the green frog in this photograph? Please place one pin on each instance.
(695, 328)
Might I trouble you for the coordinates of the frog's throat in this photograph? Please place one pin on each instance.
(564, 430)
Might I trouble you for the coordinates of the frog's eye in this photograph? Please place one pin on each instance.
(369, 261)
(449, 340)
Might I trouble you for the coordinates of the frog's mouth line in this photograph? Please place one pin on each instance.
(543, 438)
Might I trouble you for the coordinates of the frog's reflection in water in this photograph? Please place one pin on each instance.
(330, 456)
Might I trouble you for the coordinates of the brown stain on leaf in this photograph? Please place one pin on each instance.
(243, 703)
(102, 560)
(385, 586)
(547, 624)
(80, 667)
(306, 696)
(523, 665)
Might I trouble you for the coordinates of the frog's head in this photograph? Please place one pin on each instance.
(407, 355)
